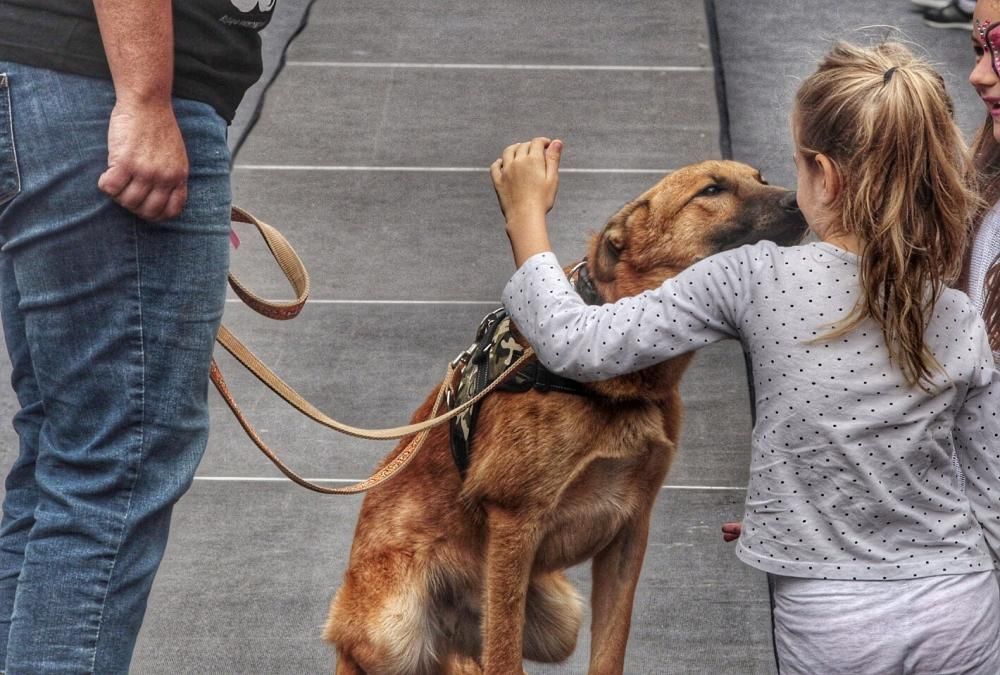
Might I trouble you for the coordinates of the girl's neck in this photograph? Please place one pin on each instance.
(847, 242)
(827, 226)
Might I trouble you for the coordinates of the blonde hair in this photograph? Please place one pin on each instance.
(883, 118)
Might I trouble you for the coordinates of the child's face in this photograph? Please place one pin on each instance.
(986, 46)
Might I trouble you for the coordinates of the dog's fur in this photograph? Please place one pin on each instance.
(453, 576)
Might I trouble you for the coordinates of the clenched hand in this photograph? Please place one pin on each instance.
(147, 163)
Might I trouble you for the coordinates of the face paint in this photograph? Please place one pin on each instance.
(980, 27)
(989, 35)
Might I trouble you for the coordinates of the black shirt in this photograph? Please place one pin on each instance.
(216, 43)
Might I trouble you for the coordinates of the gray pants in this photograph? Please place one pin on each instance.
(939, 625)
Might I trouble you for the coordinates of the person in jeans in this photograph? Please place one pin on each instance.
(114, 223)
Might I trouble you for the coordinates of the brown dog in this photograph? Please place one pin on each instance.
(465, 576)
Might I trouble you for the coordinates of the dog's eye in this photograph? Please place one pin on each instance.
(711, 191)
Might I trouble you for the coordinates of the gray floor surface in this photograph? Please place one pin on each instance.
(370, 155)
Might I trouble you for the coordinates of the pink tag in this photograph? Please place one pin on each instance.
(233, 239)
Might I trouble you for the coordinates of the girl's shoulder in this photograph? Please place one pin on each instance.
(955, 305)
(812, 256)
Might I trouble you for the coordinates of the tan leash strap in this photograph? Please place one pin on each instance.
(289, 262)
(295, 272)
(392, 468)
(250, 361)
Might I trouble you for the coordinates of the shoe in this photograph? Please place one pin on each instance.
(931, 4)
(948, 17)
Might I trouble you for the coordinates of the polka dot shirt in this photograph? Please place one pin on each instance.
(851, 472)
(985, 249)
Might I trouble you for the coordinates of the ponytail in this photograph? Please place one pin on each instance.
(884, 119)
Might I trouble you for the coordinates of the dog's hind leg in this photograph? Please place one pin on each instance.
(381, 622)
(553, 614)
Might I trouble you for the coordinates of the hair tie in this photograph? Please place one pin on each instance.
(888, 75)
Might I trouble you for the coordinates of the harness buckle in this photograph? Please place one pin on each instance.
(464, 357)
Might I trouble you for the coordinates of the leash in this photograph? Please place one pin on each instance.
(291, 265)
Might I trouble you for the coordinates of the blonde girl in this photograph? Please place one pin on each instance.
(869, 372)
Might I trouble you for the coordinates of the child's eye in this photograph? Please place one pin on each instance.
(979, 51)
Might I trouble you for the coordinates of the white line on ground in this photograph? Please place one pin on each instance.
(349, 481)
(390, 302)
(495, 66)
(438, 169)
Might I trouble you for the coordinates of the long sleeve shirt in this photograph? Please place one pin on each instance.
(851, 473)
(984, 250)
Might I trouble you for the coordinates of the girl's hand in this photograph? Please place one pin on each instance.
(731, 531)
(526, 178)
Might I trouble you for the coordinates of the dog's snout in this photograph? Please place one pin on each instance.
(789, 203)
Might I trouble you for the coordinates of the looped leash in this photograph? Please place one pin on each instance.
(295, 272)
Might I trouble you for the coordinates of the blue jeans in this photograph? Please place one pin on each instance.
(109, 322)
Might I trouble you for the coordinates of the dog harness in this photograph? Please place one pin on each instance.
(494, 350)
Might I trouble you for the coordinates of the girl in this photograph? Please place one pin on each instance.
(985, 247)
(869, 372)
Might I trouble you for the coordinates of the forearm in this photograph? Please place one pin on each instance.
(533, 237)
(147, 159)
(138, 40)
(589, 343)
(526, 178)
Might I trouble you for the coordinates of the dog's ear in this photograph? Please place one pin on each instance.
(614, 238)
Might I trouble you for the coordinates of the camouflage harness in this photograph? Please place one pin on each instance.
(487, 359)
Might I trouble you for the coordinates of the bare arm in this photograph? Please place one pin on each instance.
(147, 162)
(526, 178)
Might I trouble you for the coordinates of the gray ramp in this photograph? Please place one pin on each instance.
(766, 47)
(289, 18)
(370, 154)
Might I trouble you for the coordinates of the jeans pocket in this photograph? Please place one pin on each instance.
(10, 177)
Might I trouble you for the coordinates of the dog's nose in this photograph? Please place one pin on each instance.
(789, 203)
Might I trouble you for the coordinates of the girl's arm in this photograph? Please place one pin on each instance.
(977, 440)
(526, 178)
(593, 343)
(698, 307)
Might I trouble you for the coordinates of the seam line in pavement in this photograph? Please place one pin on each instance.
(261, 479)
(311, 301)
(496, 66)
(453, 169)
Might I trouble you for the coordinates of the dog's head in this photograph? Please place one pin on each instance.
(690, 214)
